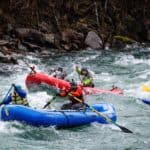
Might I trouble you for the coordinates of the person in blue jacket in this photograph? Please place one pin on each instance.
(18, 97)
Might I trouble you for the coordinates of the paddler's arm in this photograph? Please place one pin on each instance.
(78, 70)
(7, 100)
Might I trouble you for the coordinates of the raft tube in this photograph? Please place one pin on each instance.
(44, 79)
(61, 119)
(146, 101)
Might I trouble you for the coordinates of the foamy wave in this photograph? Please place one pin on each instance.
(130, 59)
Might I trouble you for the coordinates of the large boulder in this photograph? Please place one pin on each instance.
(93, 40)
(30, 34)
(36, 37)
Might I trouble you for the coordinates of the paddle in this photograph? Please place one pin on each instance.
(49, 102)
(108, 120)
(7, 94)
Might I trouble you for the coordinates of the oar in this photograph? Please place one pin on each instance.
(7, 94)
(107, 119)
(49, 102)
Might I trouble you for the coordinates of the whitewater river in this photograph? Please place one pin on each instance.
(127, 70)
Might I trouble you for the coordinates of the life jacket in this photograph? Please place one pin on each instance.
(78, 94)
(16, 99)
(87, 81)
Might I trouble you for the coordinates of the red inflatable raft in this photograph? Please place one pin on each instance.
(41, 78)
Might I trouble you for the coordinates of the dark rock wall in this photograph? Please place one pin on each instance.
(65, 24)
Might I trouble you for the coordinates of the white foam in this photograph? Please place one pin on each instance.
(130, 59)
(38, 99)
(7, 127)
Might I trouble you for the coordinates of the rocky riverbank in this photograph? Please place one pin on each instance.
(65, 25)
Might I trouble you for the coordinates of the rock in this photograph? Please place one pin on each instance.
(7, 59)
(66, 47)
(83, 27)
(50, 38)
(71, 39)
(3, 42)
(70, 35)
(93, 40)
(148, 35)
(6, 51)
(31, 47)
(43, 27)
(36, 37)
(147, 26)
(21, 47)
(13, 60)
(124, 39)
(30, 35)
(121, 41)
(1, 55)
(10, 30)
(75, 46)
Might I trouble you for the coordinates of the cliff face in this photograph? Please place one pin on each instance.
(66, 23)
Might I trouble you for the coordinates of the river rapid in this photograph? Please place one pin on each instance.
(127, 70)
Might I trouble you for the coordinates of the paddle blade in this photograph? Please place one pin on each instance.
(124, 129)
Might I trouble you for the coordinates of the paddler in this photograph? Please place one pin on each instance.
(18, 97)
(59, 73)
(75, 92)
(85, 76)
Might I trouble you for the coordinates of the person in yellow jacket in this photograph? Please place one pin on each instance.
(18, 97)
(85, 76)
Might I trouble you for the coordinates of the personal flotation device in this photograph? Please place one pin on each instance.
(16, 99)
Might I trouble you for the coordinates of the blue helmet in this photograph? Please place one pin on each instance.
(18, 87)
(20, 91)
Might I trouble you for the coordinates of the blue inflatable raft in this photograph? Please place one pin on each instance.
(61, 119)
(146, 101)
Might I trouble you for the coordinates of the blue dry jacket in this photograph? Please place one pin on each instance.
(22, 93)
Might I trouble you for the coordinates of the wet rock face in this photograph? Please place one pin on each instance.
(29, 34)
(71, 39)
(148, 35)
(7, 59)
(93, 40)
(71, 25)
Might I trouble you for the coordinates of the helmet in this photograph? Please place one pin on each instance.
(84, 71)
(17, 87)
(73, 85)
(60, 69)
